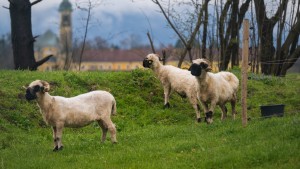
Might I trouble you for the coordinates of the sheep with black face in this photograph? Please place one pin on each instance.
(216, 88)
(78, 111)
(176, 79)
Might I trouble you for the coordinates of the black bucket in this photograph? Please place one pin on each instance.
(272, 110)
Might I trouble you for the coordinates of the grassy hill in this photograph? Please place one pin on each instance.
(149, 136)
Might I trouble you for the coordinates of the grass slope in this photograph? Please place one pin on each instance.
(149, 136)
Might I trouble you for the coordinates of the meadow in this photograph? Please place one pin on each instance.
(148, 135)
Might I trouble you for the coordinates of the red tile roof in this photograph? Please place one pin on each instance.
(115, 55)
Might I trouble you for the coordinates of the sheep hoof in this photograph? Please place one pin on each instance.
(60, 148)
(208, 117)
(57, 149)
(167, 105)
(199, 120)
(208, 120)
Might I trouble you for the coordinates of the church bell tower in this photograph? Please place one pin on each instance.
(65, 9)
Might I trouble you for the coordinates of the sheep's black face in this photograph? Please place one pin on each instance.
(147, 63)
(195, 69)
(31, 92)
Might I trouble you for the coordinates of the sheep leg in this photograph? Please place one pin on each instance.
(197, 110)
(112, 129)
(205, 107)
(167, 92)
(233, 108)
(209, 114)
(54, 138)
(224, 112)
(194, 102)
(58, 137)
(104, 130)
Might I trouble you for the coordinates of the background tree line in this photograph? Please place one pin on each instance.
(202, 27)
(216, 24)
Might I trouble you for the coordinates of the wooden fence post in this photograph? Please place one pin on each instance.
(245, 55)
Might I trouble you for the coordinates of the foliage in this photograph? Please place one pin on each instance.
(149, 136)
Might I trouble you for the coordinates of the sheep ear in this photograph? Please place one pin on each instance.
(204, 65)
(24, 87)
(46, 86)
(208, 69)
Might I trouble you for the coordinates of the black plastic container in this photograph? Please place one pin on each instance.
(272, 110)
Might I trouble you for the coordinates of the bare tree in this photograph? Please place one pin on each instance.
(229, 39)
(189, 41)
(205, 24)
(88, 10)
(277, 60)
(21, 35)
(151, 42)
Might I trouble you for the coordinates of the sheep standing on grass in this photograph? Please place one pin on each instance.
(173, 78)
(216, 89)
(79, 111)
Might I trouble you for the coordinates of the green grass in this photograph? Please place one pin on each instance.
(149, 136)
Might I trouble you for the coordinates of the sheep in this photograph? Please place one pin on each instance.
(78, 111)
(216, 88)
(173, 78)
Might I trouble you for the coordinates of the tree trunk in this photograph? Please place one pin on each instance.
(290, 50)
(230, 40)
(265, 27)
(223, 41)
(267, 47)
(205, 23)
(21, 34)
(234, 42)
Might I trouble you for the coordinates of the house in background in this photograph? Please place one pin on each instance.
(61, 48)
(92, 60)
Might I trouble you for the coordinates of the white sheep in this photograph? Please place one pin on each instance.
(216, 88)
(79, 111)
(173, 78)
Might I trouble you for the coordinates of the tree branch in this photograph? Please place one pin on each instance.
(242, 12)
(35, 2)
(6, 7)
(151, 43)
(279, 11)
(34, 38)
(39, 63)
(260, 10)
(85, 32)
(294, 33)
(170, 23)
(10, 2)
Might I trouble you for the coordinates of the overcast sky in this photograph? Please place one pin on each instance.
(113, 20)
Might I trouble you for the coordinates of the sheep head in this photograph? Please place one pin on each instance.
(199, 65)
(37, 86)
(150, 59)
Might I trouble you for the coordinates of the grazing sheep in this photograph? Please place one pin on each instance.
(79, 111)
(216, 89)
(173, 78)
